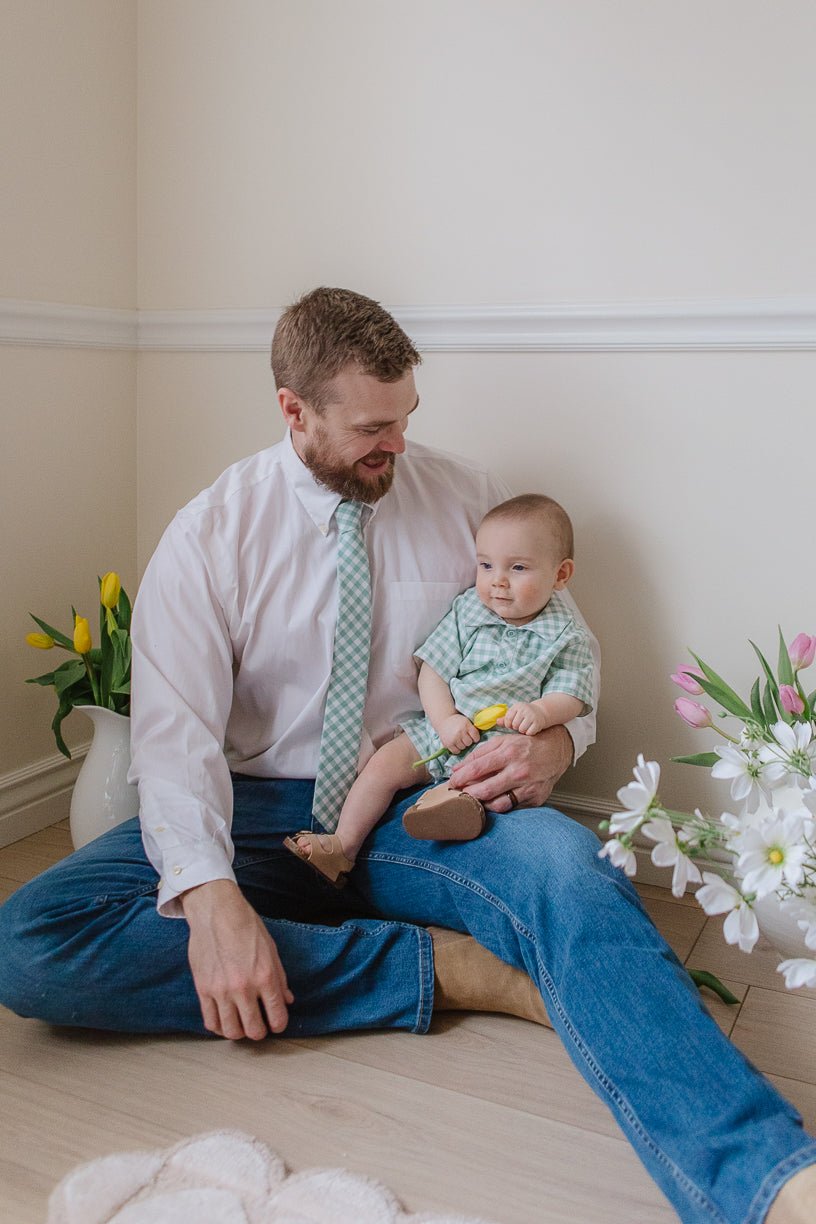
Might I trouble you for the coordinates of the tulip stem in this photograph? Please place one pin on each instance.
(92, 678)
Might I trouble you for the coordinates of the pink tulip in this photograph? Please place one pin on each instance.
(684, 676)
(802, 650)
(791, 701)
(693, 713)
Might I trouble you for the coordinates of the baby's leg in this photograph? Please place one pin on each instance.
(389, 770)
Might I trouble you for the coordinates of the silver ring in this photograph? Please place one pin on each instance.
(511, 795)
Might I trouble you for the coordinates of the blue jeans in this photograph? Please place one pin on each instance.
(83, 945)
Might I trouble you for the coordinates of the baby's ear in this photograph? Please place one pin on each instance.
(564, 573)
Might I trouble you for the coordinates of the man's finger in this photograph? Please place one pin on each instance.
(209, 1013)
(250, 1017)
(277, 1015)
(228, 1018)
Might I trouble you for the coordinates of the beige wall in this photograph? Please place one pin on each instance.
(67, 464)
(457, 151)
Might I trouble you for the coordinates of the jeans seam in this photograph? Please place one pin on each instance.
(578, 1043)
(774, 1181)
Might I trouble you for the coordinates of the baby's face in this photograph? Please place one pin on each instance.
(517, 569)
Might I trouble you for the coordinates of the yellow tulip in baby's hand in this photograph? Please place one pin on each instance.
(525, 718)
(457, 733)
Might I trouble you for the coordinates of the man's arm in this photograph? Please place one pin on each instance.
(182, 695)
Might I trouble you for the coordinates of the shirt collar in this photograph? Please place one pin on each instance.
(475, 615)
(319, 502)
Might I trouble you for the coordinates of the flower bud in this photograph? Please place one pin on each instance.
(693, 713)
(790, 699)
(82, 635)
(802, 650)
(109, 590)
(684, 677)
(42, 641)
(487, 718)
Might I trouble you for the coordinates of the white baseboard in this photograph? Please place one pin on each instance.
(38, 795)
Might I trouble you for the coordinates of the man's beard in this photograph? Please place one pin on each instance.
(343, 479)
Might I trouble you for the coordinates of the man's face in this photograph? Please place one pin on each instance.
(351, 446)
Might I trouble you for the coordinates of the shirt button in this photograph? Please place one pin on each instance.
(158, 828)
(176, 871)
(323, 528)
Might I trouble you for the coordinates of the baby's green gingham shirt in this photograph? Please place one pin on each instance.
(484, 660)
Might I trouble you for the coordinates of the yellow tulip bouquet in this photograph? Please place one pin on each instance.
(99, 675)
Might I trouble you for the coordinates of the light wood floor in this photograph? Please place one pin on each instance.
(484, 1116)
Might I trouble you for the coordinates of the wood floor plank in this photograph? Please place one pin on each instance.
(680, 925)
(800, 1094)
(665, 893)
(435, 1148)
(24, 859)
(778, 1033)
(757, 968)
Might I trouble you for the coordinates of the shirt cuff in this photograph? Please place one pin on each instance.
(185, 867)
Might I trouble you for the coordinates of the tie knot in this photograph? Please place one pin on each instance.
(348, 516)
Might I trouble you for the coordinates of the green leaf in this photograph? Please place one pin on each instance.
(123, 611)
(58, 637)
(123, 688)
(68, 674)
(701, 977)
(771, 714)
(756, 703)
(63, 711)
(785, 666)
(722, 693)
(106, 664)
(48, 678)
(811, 699)
(708, 759)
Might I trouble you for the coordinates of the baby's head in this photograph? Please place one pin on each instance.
(523, 553)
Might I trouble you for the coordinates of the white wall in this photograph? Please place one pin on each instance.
(67, 464)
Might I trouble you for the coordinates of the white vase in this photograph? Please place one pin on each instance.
(102, 796)
(780, 927)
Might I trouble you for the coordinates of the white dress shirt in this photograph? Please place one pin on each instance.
(233, 631)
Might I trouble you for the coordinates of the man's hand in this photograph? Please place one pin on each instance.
(457, 733)
(529, 765)
(238, 975)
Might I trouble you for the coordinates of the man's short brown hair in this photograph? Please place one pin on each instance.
(546, 510)
(329, 329)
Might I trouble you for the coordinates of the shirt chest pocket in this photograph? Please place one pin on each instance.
(414, 609)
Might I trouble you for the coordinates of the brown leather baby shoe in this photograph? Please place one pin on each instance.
(444, 814)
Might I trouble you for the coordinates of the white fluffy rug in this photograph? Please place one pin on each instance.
(224, 1177)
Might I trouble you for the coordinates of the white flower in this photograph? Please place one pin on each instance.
(668, 852)
(636, 797)
(718, 897)
(798, 972)
(619, 855)
(792, 758)
(745, 769)
(771, 853)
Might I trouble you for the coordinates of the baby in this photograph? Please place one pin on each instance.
(511, 639)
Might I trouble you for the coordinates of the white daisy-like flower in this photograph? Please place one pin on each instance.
(772, 852)
(669, 853)
(718, 897)
(792, 757)
(746, 769)
(619, 855)
(798, 972)
(637, 797)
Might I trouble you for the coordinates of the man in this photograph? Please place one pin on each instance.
(273, 642)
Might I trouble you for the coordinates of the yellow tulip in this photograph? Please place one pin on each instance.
(487, 718)
(110, 590)
(82, 635)
(42, 641)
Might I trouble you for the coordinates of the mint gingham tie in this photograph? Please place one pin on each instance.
(343, 719)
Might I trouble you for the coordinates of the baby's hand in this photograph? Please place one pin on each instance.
(457, 733)
(525, 718)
